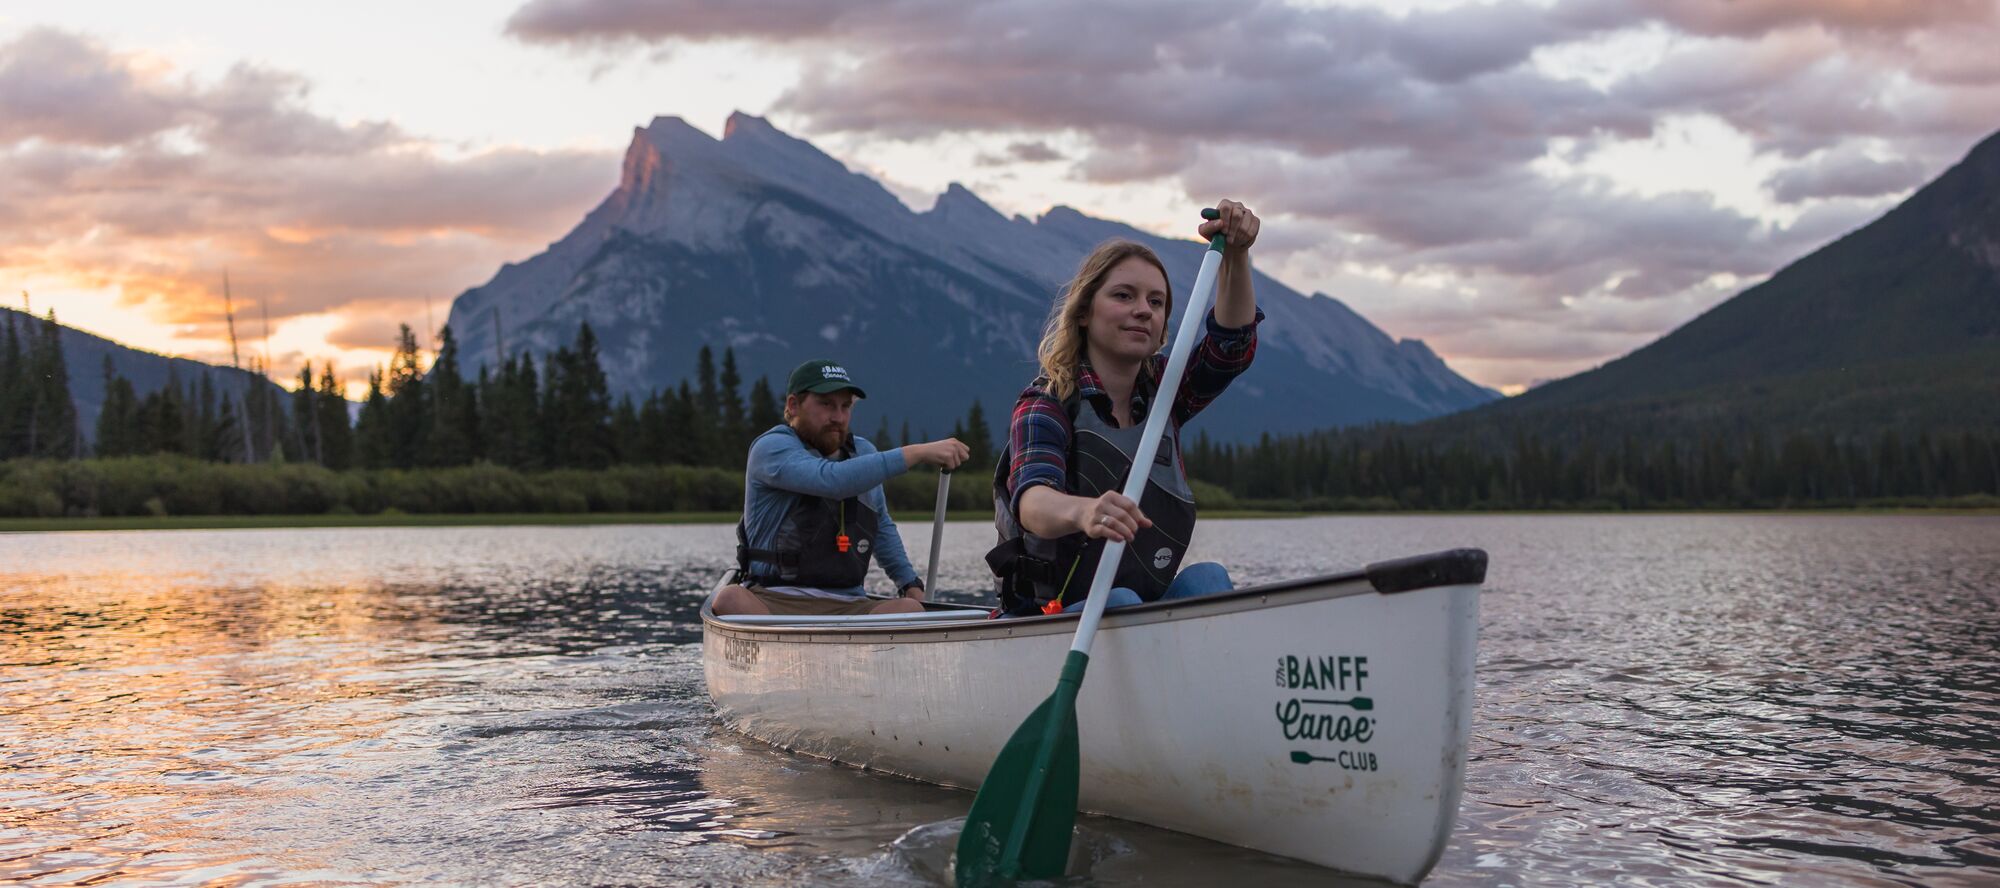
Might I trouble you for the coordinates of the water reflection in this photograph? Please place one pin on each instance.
(1662, 699)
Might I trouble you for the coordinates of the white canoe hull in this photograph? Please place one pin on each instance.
(1193, 715)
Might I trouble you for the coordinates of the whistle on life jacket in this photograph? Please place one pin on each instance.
(842, 543)
(1055, 606)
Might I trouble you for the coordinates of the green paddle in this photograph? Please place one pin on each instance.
(1020, 823)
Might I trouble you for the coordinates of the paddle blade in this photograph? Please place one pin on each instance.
(1021, 821)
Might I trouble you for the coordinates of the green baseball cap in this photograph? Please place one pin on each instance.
(823, 377)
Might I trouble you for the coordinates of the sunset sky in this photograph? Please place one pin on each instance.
(1530, 187)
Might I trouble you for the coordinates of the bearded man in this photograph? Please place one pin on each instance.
(813, 510)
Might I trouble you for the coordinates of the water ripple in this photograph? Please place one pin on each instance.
(1662, 700)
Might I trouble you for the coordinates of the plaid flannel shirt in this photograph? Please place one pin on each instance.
(1039, 435)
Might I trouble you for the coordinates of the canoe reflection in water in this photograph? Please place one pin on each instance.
(796, 805)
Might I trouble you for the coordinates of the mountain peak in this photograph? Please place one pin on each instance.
(741, 125)
(673, 135)
(958, 203)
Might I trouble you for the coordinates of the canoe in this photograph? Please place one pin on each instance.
(1323, 719)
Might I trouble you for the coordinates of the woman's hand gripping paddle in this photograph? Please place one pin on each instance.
(1020, 823)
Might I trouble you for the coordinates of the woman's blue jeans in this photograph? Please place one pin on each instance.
(1194, 581)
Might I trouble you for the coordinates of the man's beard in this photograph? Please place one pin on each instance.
(830, 438)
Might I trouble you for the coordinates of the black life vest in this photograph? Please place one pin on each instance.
(1034, 572)
(821, 543)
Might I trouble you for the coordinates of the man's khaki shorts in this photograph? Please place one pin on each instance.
(805, 605)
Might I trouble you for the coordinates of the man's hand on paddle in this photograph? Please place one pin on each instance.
(946, 454)
(1110, 517)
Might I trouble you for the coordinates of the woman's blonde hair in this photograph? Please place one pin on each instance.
(1063, 339)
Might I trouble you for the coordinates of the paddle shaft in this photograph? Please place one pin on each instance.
(937, 531)
(1149, 443)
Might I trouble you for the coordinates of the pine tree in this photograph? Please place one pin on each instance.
(683, 438)
(254, 415)
(225, 436)
(510, 416)
(52, 430)
(454, 413)
(202, 419)
(709, 401)
(576, 405)
(407, 416)
(336, 437)
(306, 417)
(627, 446)
(374, 440)
(734, 421)
(764, 409)
(13, 391)
(708, 437)
(118, 420)
(162, 424)
(978, 438)
(653, 431)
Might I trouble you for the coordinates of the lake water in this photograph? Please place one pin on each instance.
(1662, 700)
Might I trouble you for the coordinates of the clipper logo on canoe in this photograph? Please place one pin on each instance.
(741, 652)
(1335, 712)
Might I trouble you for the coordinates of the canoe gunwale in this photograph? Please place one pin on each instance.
(1456, 567)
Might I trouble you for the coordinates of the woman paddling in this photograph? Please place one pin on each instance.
(1056, 490)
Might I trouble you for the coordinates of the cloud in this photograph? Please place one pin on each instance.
(118, 172)
(616, 21)
(1420, 138)
(65, 88)
(1021, 152)
(1845, 172)
(366, 332)
(1736, 18)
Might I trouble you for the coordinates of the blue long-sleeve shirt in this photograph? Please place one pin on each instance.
(783, 469)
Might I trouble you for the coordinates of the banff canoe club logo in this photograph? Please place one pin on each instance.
(834, 371)
(1335, 713)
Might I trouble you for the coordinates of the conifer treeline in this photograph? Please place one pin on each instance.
(37, 417)
(192, 419)
(1380, 468)
(559, 415)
